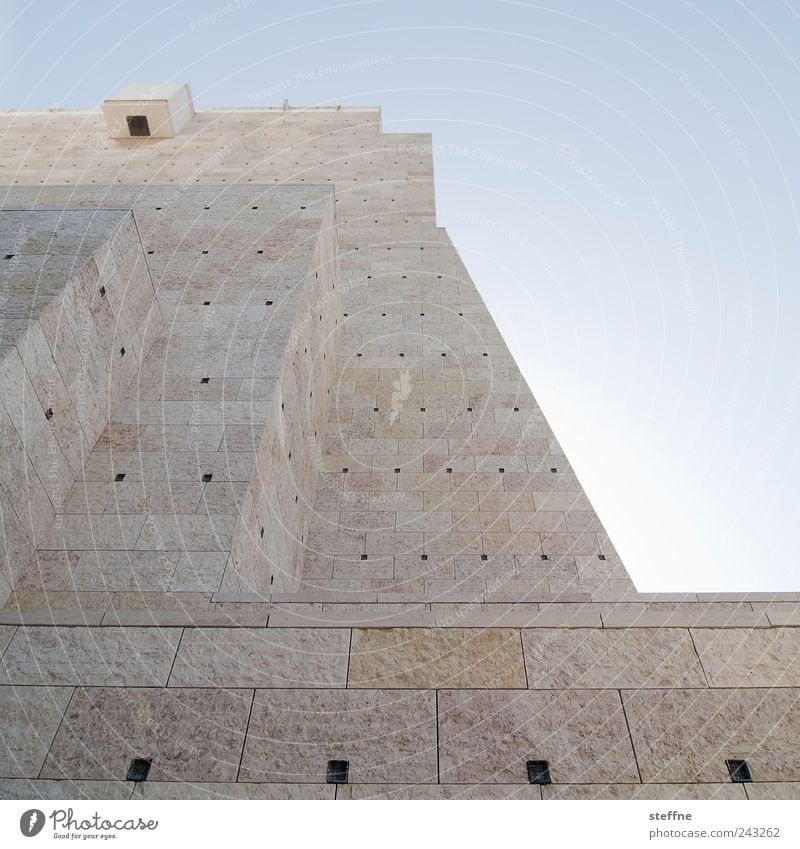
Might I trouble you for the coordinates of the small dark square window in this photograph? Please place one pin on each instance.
(338, 772)
(207, 477)
(120, 476)
(484, 556)
(102, 291)
(538, 772)
(423, 557)
(137, 125)
(739, 771)
(49, 413)
(139, 769)
(204, 379)
(364, 556)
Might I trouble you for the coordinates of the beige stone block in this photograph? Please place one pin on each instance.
(191, 735)
(783, 614)
(56, 600)
(176, 790)
(353, 616)
(474, 615)
(569, 543)
(577, 657)
(117, 571)
(92, 532)
(656, 792)
(486, 736)
(687, 616)
(384, 734)
(439, 791)
(248, 657)
(421, 658)
(518, 543)
(186, 618)
(446, 543)
(89, 656)
(773, 790)
(44, 788)
(738, 657)
(29, 719)
(163, 532)
(685, 736)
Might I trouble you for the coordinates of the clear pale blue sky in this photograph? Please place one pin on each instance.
(618, 177)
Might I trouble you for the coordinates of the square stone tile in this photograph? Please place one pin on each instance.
(387, 735)
(261, 657)
(486, 736)
(740, 657)
(90, 656)
(191, 735)
(434, 658)
(685, 736)
(559, 658)
(29, 719)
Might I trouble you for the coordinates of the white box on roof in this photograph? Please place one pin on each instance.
(149, 110)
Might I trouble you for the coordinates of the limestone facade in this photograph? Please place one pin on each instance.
(314, 512)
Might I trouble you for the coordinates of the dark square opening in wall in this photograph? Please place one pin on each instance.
(137, 125)
(207, 477)
(139, 769)
(538, 772)
(739, 771)
(338, 772)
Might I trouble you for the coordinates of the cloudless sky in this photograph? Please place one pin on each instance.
(619, 178)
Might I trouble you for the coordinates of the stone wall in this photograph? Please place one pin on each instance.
(433, 599)
(78, 316)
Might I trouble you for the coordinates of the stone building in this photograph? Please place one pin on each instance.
(275, 496)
